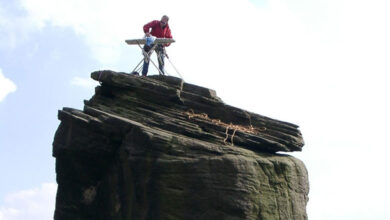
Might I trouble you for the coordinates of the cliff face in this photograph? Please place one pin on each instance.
(157, 148)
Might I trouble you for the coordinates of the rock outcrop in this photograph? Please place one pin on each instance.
(158, 148)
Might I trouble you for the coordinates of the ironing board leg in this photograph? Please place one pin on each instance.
(147, 59)
(137, 65)
(147, 56)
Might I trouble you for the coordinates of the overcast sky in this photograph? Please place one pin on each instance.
(321, 64)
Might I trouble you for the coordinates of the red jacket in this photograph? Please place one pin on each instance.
(157, 31)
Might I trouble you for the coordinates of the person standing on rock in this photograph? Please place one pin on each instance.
(159, 29)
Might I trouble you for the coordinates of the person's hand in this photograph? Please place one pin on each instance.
(147, 34)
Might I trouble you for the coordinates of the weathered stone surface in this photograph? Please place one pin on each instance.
(156, 148)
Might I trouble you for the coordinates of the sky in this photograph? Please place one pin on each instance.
(321, 64)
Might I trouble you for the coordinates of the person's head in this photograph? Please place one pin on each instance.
(164, 21)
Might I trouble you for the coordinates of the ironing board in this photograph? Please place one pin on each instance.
(146, 58)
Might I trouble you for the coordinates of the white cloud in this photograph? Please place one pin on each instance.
(14, 28)
(239, 27)
(6, 86)
(32, 204)
(86, 83)
(104, 25)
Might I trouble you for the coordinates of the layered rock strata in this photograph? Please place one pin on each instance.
(158, 148)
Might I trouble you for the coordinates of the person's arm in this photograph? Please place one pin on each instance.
(168, 34)
(148, 26)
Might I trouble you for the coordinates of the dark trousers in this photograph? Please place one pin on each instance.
(160, 57)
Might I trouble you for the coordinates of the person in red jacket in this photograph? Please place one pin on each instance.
(159, 29)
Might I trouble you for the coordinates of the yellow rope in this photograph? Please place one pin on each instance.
(249, 129)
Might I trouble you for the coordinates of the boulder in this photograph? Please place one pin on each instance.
(159, 148)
